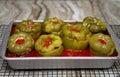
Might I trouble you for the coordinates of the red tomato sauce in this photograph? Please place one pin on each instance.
(20, 41)
(47, 42)
(102, 41)
(33, 53)
(66, 52)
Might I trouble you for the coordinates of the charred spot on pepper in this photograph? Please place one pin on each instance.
(56, 47)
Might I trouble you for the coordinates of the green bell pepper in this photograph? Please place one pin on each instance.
(75, 36)
(49, 45)
(52, 25)
(101, 45)
(30, 27)
(94, 24)
(20, 43)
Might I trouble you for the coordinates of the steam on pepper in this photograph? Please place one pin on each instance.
(20, 43)
(30, 27)
(101, 45)
(49, 45)
(75, 36)
(52, 25)
(94, 24)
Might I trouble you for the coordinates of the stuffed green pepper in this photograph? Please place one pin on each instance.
(20, 43)
(101, 45)
(49, 45)
(75, 36)
(94, 24)
(52, 25)
(30, 27)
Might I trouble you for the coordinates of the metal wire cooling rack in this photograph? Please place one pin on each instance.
(6, 71)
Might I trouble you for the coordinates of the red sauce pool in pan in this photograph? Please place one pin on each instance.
(66, 52)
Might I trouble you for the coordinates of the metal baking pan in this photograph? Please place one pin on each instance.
(58, 62)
